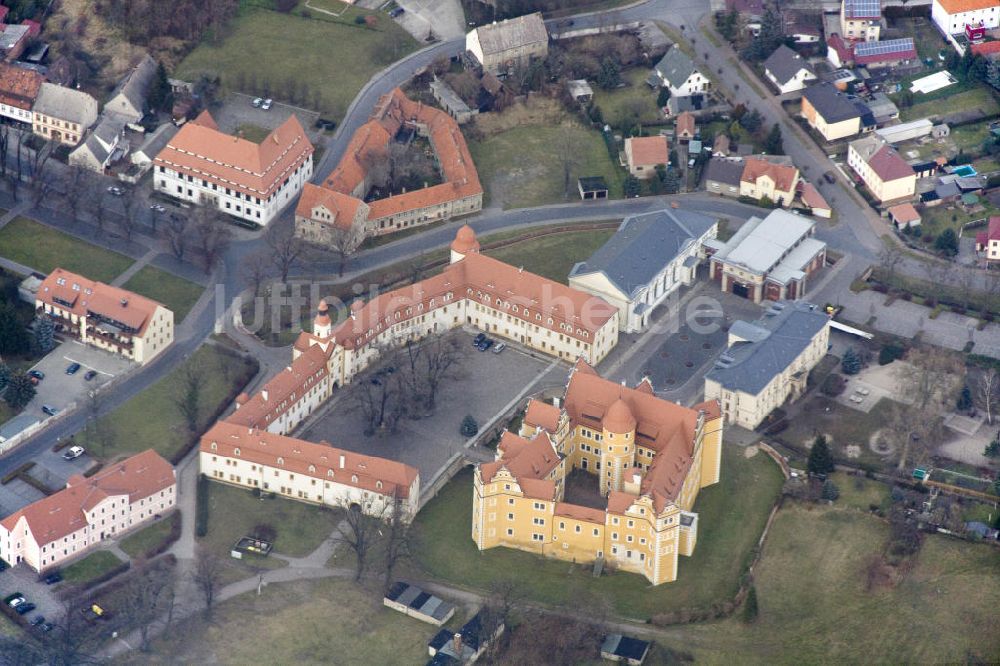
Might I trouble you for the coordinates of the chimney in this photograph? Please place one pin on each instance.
(557, 401)
(342, 461)
(124, 302)
(456, 644)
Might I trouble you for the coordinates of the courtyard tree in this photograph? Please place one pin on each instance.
(207, 575)
(850, 364)
(256, 269)
(188, 397)
(426, 367)
(380, 401)
(989, 383)
(930, 379)
(287, 249)
(344, 242)
(213, 236)
(358, 527)
(177, 232)
(820, 460)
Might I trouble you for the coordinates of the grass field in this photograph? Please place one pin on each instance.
(636, 100)
(151, 419)
(310, 622)
(814, 607)
(43, 249)
(252, 132)
(178, 294)
(937, 219)
(553, 256)
(141, 541)
(234, 512)
(90, 567)
(731, 517)
(976, 98)
(332, 57)
(842, 425)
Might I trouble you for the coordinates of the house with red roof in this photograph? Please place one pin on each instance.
(988, 242)
(65, 525)
(882, 169)
(648, 459)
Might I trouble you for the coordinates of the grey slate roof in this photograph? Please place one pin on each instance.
(675, 67)
(136, 83)
(775, 341)
(158, 140)
(725, 171)
(66, 104)
(759, 245)
(785, 63)
(830, 103)
(420, 601)
(512, 33)
(643, 245)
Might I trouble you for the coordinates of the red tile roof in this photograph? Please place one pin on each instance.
(992, 233)
(783, 175)
(320, 461)
(63, 513)
(646, 150)
(958, 6)
(811, 197)
(200, 150)
(533, 458)
(19, 86)
(84, 297)
(905, 213)
(343, 207)
(685, 124)
(985, 48)
(542, 415)
(283, 390)
(888, 165)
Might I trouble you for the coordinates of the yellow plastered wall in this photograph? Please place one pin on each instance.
(576, 540)
(711, 456)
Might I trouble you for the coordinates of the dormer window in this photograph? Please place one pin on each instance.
(312, 468)
(214, 447)
(236, 451)
(281, 461)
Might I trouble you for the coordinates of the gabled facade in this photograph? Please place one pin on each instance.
(650, 456)
(128, 101)
(883, 170)
(499, 47)
(787, 70)
(62, 115)
(19, 88)
(763, 178)
(860, 20)
(831, 113)
(952, 17)
(677, 72)
(644, 153)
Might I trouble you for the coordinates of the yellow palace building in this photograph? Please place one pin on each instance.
(650, 457)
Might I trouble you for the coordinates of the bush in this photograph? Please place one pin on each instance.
(889, 353)
(833, 385)
(820, 461)
(750, 607)
(992, 449)
(201, 507)
(850, 364)
(169, 540)
(469, 426)
(830, 491)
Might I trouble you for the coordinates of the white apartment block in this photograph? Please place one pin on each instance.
(951, 16)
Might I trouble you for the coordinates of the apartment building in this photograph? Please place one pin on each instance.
(769, 178)
(956, 17)
(860, 20)
(65, 525)
(19, 88)
(883, 170)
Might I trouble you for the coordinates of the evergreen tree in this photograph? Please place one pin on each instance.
(947, 243)
(773, 144)
(830, 491)
(770, 37)
(964, 401)
(671, 181)
(45, 334)
(992, 449)
(850, 364)
(14, 338)
(663, 97)
(610, 74)
(750, 608)
(469, 426)
(751, 121)
(4, 374)
(160, 96)
(820, 460)
(632, 186)
(19, 391)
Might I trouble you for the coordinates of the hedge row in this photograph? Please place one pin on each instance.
(16, 473)
(106, 576)
(201, 507)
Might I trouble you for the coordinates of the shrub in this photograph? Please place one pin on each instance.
(820, 461)
(201, 507)
(750, 608)
(469, 426)
(851, 362)
(830, 491)
(833, 385)
(890, 352)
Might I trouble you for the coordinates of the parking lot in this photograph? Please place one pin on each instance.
(61, 390)
(51, 470)
(485, 385)
(238, 109)
(24, 580)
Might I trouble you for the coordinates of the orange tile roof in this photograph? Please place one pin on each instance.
(958, 6)
(533, 458)
(478, 277)
(84, 297)
(370, 142)
(685, 124)
(649, 150)
(577, 512)
(985, 48)
(542, 415)
(63, 513)
(783, 175)
(320, 461)
(283, 390)
(200, 150)
(812, 198)
(19, 86)
(905, 212)
(343, 207)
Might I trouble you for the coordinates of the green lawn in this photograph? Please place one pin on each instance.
(814, 607)
(43, 249)
(151, 419)
(252, 132)
(979, 97)
(333, 58)
(234, 512)
(635, 101)
(553, 256)
(731, 517)
(522, 168)
(137, 543)
(178, 294)
(858, 492)
(324, 621)
(93, 565)
(937, 219)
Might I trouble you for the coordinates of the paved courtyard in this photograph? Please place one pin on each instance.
(237, 109)
(61, 390)
(486, 384)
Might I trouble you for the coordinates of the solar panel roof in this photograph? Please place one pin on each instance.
(862, 8)
(884, 47)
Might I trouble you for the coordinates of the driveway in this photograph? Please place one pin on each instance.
(237, 109)
(443, 18)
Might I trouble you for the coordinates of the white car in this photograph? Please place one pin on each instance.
(257, 101)
(266, 105)
(74, 452)
(116, 191)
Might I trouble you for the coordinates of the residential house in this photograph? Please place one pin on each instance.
(988, 242)
(62, 115)
(814, 201)
(787, 70)
(651, 457)
(833, 114)
(331, 219)
(678, 105)
(460, 193)
(685, 127)
(768, 362)
(882, 108)
(887, 53)
(956, 17)
(720, 146)
(801, 27)
(143, 156)
(882, 169)
(63, 526)
(128, 100)
(107, 317)
(499, 47)
(774, 180)
(19, 87)
(677, 72)
(860, 20)
(99, 150)
(768, 259)
(250, 181)
(722, 176)
(644, 153)
(645, 262)
(904, 215)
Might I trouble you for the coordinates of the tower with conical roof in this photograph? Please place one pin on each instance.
(617, 445)
(322, 324)
(465, 243)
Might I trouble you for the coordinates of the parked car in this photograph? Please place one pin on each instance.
(157, 208)
(266, 105)
(257, 101)
(37, 620)
(50, 410)
(36, 375)
(47, 627)
(500, 347)
(485, 344)
(72, 368)
(74, 452)
(55, 576)
(3, 565)
(398, 11)
(14, 599)
(25, 608)
(116, 191)
(478, 340)
(829, 177)
(90, 375)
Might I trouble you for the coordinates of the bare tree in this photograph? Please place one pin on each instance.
(96, 429)
(568, 150)
(4, 149)
(344, 242)
(128, 222)
(39, 172)
(213, 236)
(380, 400)
(207, 575)
(146, 598)
(989, 383)
(397, 542)
(358, 528)
(177, 233)
(286, 248)
(930, 378)
(256, 269)
(425, 368)
(890, 256)
(73, 188)
(188, 398)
